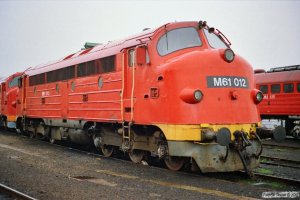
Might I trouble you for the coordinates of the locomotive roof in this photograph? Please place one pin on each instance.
(84, 55)
(278, 76)
(99, 51)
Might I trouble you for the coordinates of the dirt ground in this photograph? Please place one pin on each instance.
(47, 171)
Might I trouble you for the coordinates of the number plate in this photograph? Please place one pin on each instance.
(227, 82)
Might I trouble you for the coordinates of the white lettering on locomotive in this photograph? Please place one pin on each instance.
(227, 81)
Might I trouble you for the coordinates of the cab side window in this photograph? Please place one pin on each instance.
(298, 87)
(131, 57)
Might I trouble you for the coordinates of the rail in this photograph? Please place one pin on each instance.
(14, 193)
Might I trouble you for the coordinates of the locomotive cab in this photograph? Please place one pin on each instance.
(201, 95)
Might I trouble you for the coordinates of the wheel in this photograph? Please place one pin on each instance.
(296, 132)
(174, 163)
(107, 150)
(136, 155)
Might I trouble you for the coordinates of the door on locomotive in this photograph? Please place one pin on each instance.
(134, 57)
(128, 85)
(12, 94)
(20, 99)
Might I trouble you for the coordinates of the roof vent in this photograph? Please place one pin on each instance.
(258, 71)
(89, 45)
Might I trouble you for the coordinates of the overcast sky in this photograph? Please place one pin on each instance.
(266, 33)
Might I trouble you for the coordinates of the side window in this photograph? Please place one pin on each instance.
(214, 40)
(37, 79)
(288, 88)
(131, 58)
(108, 63)
(275, 88)
(90, 68)
(81, 70)
(61, 74)
(51, 77)
(147, 56)
(263, 89)
(298, 87)
(69, 72)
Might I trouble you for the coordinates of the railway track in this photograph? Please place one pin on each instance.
(14, 194)
(288, 181)
(232, 177)
(239, 175)
(277, 161)
(293, 146)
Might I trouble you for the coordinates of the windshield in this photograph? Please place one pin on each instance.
(177, 39)
(214, 40)
(14, 82)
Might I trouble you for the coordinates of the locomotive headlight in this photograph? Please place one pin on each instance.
(257, 96)
(228, 55)
(198, 95)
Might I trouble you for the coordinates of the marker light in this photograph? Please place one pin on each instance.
(198, 95)
(228, 55)
(191, 96)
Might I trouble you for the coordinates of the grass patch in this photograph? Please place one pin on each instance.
(276, 185)
(264, 171)
(263, 160)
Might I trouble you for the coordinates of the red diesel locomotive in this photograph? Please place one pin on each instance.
(281, 89)
(177, 92)
(9, 92)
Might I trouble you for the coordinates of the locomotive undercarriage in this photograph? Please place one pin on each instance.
(145, 141)
(107, 137)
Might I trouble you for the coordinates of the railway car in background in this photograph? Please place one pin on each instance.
(9, 100)
(281, 89)
(177, 92)
(2, 94)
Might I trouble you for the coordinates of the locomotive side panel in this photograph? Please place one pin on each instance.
(96, 98)
(45, 101)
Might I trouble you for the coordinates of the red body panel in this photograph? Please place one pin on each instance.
(167, 76)
(282, 103)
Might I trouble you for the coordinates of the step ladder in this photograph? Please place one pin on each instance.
(126, 133)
